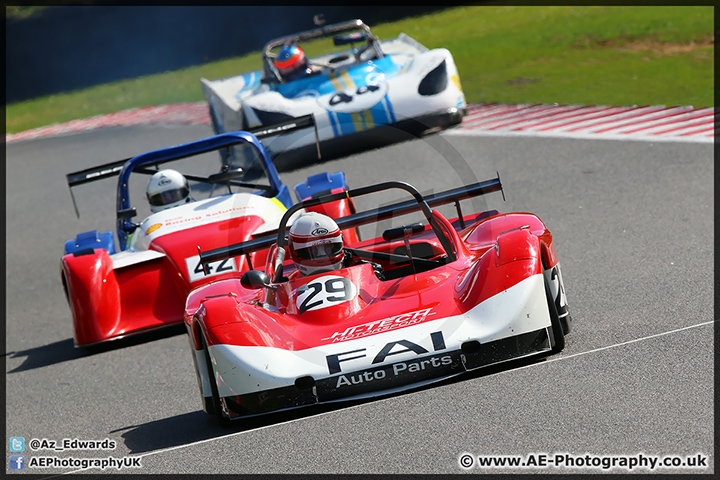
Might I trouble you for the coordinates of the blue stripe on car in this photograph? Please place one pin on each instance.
(347, 126)
(379, 113)
(333, 122)
(391, 113)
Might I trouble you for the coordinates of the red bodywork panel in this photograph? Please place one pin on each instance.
(493, 255)
(339, 209)
(108, 302)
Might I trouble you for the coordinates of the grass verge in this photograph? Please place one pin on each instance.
(602, 55)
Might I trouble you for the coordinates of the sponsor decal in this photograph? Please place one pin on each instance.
(390, 372)
(456, 81)
(424, 366)
(152, 228)
(323, 292)
(103, 172)
(319, 231)
(181, 220)
(229, 210)
(334, 361)
(221, 214)
(421, 362)
(164, 181)
(384, 325)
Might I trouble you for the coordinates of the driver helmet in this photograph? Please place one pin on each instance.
(316, 244)
(166, 189)
(291, 62)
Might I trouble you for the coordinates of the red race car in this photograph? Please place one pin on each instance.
(142, 284)
(423, 302)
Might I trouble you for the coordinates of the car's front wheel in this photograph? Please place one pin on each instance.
(216, 400)
(557, 328)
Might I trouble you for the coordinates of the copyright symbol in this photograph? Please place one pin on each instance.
(466, 460)
(34, 444)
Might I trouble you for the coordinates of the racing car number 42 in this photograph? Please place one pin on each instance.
(195, 268)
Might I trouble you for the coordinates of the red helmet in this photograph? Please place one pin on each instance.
(290, 61)
(316, 244)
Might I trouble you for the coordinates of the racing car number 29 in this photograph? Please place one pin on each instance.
(325, 292)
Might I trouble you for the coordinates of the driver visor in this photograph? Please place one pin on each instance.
(171, 196)
(319, 251)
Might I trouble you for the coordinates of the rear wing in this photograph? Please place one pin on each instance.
(112, 169)
(361, 218)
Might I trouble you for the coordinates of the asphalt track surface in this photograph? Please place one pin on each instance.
(633, 224)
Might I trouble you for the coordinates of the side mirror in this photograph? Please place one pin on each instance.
(127, 213)
(226, 175)
(400, 232)
(255, 279)
(349, 38)
(404, 232)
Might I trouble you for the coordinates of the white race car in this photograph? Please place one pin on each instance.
(397, 85)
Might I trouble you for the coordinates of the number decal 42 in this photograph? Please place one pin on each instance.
(195, 269)
(324, 292)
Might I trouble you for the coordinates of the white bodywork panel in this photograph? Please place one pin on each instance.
(517, 310)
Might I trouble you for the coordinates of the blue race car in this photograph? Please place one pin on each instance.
(361, 94)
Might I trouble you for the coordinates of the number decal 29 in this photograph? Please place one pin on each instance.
(324, 292)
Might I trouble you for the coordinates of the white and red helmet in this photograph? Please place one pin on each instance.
(316, 244)
(167, 188)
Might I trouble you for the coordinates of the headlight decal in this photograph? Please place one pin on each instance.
(435, 81)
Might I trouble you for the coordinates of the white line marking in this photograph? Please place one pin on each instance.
(554, 359)
(551, 359)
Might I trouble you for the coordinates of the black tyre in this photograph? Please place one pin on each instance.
(216, 402)
(558, 332)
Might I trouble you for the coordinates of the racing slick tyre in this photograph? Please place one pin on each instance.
(216, 403)
(66, 290)
(557, 328)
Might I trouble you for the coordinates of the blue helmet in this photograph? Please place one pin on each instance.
(291, 62)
